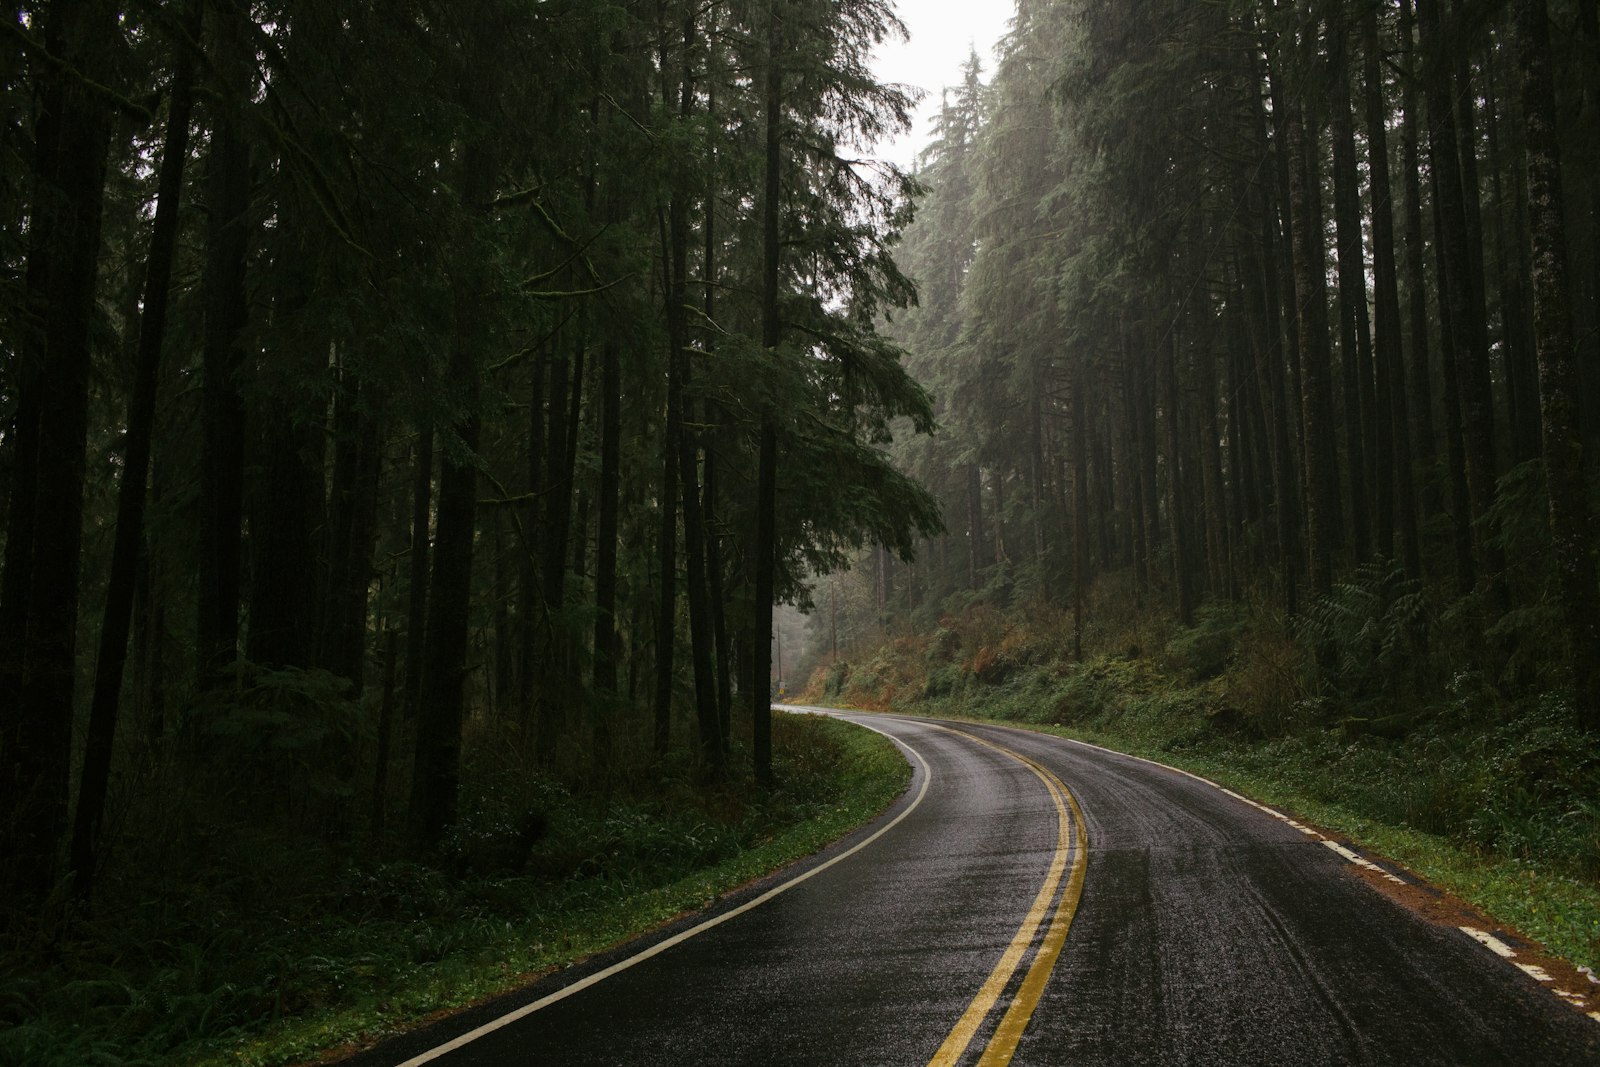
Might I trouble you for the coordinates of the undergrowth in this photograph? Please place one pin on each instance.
(272, 950)
(1482, 784)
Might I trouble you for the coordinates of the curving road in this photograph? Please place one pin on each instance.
(1035, 901)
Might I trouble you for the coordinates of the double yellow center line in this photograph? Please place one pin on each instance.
(1003, 1043)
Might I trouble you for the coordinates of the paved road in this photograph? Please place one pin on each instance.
(1039, 902)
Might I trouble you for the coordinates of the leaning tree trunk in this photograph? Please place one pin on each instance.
(94, 780)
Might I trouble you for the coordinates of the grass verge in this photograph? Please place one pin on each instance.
(1492, 797)
(1559, 910)
(280, 954)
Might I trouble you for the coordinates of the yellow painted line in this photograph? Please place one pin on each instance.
(1006, 1037)
(999, 1051)
(679, 938)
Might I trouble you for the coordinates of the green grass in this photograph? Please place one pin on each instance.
(1559, 909)
(278, 952)
(1493, 797)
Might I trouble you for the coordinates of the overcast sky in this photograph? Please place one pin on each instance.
(942, 32)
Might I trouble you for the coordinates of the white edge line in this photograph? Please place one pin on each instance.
(1490, 942)
(679, 938)
(1280, 816)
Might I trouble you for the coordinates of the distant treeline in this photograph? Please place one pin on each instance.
(1290, 304)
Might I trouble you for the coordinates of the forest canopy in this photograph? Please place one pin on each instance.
(387, 382)
(1284, 309)
(386, 386)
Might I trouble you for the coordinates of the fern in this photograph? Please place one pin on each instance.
(1367, 630)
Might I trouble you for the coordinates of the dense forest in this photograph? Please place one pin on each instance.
(396, 393)
(1265, 350)
(386, 382)
(1290, 306)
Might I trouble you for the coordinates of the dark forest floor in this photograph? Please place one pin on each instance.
(263, 947)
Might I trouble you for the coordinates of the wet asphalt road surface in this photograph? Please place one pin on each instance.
(1207, 932)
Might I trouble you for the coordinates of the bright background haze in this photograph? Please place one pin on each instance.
(942, 33)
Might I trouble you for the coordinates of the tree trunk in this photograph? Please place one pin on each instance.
(1219, 542)
(228, 235)
(1080, 518)
(95, 777)
(353, 520)
(1392, 411)
(1519, 361)
(1311, 312)
(1570, 518)
(555, 527)
(417, 594)
(1355, 349)
(530, 599)
(975, 534)
(700, 636)
(380, 775)
(285, 505)
(1455, 455)
(605, 579)
(667, 540)
(709, 490)
(765, 543)
(71, 141)
(1461, 267)
(1265, 339)
(437, 766)
(1167, 369)
(1419, 381)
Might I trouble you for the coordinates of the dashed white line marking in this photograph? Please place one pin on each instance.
(1490, 942)
(1362, 861)
(1532, 970)
(1280, 816)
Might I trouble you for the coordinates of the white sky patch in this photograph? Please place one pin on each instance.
(943, 32)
